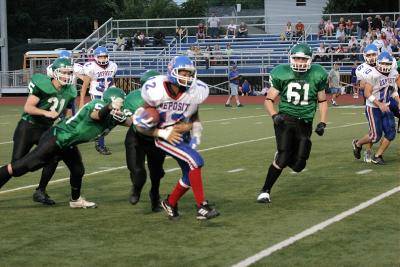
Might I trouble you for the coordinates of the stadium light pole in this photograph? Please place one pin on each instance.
(3, 45)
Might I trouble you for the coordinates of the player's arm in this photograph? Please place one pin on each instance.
(31, 108)
(86, 82)
(269, 101)
(322, 106)
(368, 89)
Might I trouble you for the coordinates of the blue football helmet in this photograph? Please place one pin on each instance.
(370, 54)
(177, 64)
(64, 54)
(101, 52)
(384, 62)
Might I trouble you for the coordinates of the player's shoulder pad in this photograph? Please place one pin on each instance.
(112, 65)
(73, 92)
(43, 83)
(96, 104)
(200, 90)
(318, 70)
(153, 89)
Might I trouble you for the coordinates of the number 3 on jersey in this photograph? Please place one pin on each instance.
(294, 96)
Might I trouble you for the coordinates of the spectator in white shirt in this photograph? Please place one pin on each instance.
(231, 30)
(119, 43)
(213, 23)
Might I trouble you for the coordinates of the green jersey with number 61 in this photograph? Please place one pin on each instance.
(51, 99)
(299, 90)
(81, 128)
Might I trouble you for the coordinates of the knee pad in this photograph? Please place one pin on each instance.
(304, 149)
(282, 159)
(298, 165)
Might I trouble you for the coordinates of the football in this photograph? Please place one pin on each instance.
(150, 112)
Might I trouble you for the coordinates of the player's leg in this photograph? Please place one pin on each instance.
(26, 135)
(394, 108)
(40, 194)
(34, 160)
(99, 143)
(303, 146)
(284, 142)
(135, 158)
(389, 129)
(191, 162)
(155, 162)
(73, 159)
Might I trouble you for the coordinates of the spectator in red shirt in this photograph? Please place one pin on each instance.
(299, 29)
(201, 31)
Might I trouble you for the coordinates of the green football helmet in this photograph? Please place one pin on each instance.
(298, 53)
(132, 102)
(63, 71)
(147, 75)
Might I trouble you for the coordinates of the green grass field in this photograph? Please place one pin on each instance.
(238, 146)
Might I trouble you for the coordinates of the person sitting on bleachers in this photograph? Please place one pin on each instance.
(341, 22)
(340, 35)
(201, 31)
(140, 39)
(349, 27)
(339, 50)
(231, 30)
(329, 27)
(243, 30)
(129, 44)
(217, 55)
(352, 41)
(299, 29)
(119, 43)
(321, 29)
(180, 33)
(320, 55)
(158, 39)
(288, 32)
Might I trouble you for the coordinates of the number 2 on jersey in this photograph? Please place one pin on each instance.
(294, 96)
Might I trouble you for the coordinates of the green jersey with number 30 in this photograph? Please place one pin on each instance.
(81, 128)
(299, 90)
(51, 99)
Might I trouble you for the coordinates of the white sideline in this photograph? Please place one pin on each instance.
(201, 150)
(268, 251)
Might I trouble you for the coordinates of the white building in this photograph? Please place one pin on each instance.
(279, 12)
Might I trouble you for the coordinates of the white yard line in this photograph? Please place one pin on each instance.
(235, 170)
(364, 171)
(309, 231)
(201, 150)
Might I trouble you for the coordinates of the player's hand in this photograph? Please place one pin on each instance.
(320, 128)
(51, 114)
(383, 107)
(194, 142)
(170, 134)
(183, 127)
(278, 118)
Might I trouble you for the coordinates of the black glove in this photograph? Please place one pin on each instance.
(320, 128)
(278, 118)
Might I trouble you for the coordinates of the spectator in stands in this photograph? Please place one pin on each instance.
(180, 33)
(329, 27)
(352, 41)
(334, 83)
(353, 49)
(141, 39)
(389, 33)
(362, 28)
(340, 35)
(394, 45)
(159, 39)
(339, 50)
(376, 23)
(320, 55)
(243, 30)
(299, 28)
(217, 55)
(213, 26)
(207, 56)
(247, 88)
(321, 29)
(198, 55)
(201, 31)
(361, 50)
(129, 43)
(388, 22)
(231, 30)
(341, 22)
(288, 32)
(228, 53)
(349, 27)
(386, 47)
(119, 43)
(378, 42)
(397, 23)
(190, 52)
(234, 78)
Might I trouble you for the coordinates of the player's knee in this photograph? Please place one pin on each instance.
(391, 135)
(282, 159)
(157, 174)
(138, 172)
(298, 165)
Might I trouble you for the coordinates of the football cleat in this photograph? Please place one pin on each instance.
(81, 203)
(356, 149)
(172, 212)
(378, 160)
(228, 105)
(206, 212)
(42, 197)
(134, 197)
(103, 150)
(240, 106)
(368, 156)
(264, 197)
(155, 202)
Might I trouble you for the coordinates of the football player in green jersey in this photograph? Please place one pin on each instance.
(300, 85)
(48, 99)
(95, 119)
(139, 146)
